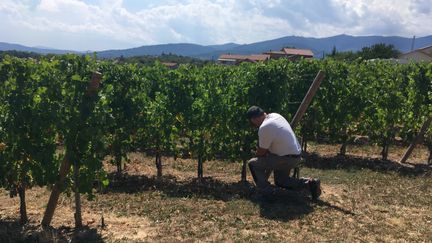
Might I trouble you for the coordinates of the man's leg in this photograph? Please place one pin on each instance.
(284, 180)
(260, 172)
(282, 177)
(262, 167)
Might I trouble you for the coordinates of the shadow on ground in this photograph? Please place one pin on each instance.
(284, 205)
(12, 231)
(356, 163)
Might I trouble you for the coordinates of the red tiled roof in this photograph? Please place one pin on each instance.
(170, 64)
(259, 57)
(298, 52)
(275, 52)
(424, 50)
(256, 57)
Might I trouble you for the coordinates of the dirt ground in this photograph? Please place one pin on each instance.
(364, 200)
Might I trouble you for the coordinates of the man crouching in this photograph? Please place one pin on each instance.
(278, 151)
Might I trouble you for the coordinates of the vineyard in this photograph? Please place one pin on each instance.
(61, 118)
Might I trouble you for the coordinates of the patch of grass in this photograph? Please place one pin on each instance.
(363, 200)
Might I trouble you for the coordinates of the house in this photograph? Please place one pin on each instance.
(170, 65)
(290, 53)
(420, 55)
(233, 59)
(275, 54)
(306, 53)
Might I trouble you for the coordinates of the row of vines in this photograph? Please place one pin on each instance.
(51, 112)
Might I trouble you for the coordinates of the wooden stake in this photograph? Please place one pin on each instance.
(66, 163)
(417, 139)
(78, 215)
(244, 171)
(307, 99)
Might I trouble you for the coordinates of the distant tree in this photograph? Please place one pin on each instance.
(380, 50)
(150, 60)
(20, 54)
(334, 52)
(343, 56)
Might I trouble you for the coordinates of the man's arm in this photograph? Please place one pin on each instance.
(261, 152)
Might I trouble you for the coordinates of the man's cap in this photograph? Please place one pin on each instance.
(254, 111)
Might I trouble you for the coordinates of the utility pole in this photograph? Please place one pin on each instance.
(412, 43)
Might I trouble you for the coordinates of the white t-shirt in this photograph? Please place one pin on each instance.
(276, 135)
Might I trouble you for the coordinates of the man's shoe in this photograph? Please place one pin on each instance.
(315, 188)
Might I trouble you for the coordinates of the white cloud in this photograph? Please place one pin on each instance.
(102, 24)
(49, 5)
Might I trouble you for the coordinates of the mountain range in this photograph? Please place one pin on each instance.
(319, 46)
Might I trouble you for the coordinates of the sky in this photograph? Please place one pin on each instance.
(118, 24)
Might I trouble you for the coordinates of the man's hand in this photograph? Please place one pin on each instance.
(2, 146)
(261, 152)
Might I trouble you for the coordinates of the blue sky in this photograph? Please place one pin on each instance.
(117, 24)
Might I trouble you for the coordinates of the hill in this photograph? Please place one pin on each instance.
(16, 47)
(319, 46)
